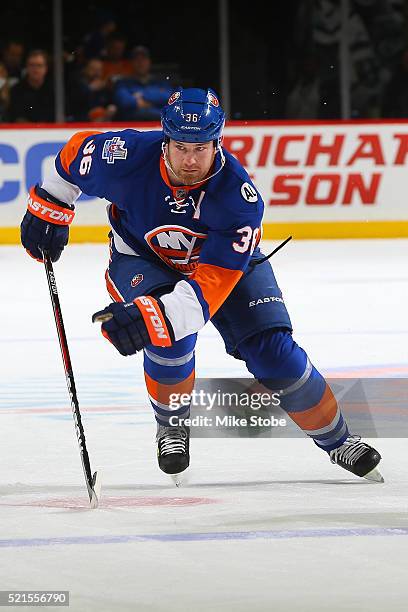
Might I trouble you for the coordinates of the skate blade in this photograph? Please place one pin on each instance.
(375, 476)
(179, 479)
(176, 478)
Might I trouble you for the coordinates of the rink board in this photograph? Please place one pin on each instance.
(318, 179)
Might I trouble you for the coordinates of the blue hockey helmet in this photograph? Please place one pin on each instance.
(193, 115)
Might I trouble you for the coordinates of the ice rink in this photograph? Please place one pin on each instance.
(259, 524)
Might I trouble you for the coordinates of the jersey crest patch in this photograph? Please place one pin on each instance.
(248, 192)
(136, 280)
(178, 246)
(114, 149)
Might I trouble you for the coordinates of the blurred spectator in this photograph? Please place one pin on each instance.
(4, 92)
(141, 97)
(32, 99)
(115, 65)
(303, 101)
(89, 98)
(74, 62)
(13, 59)
(374, 33)
(95, 42)
(395, 98)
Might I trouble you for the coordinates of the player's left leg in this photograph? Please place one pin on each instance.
(256, 327)
(169, 372)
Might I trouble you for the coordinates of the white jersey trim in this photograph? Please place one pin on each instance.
(58, 187)
(121, 246)
(183, 310)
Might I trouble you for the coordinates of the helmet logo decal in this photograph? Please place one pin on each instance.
(174, 96)
(213, 99)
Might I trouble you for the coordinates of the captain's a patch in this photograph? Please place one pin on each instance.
(249, 193)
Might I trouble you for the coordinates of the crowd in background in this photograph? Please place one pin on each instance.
(105, 80)
(110, 76)
(377, 60)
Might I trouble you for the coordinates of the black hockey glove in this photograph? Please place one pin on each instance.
(45, 225)
(131, 327)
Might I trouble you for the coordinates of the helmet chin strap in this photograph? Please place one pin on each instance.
(168, 165)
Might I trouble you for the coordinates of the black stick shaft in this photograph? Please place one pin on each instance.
(69, 375)
(278, 248)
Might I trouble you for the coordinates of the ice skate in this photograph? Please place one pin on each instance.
(173, 450)
(359, 458)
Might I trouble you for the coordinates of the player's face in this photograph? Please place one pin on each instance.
(190, 161)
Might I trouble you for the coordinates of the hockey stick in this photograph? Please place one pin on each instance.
(278, 248)
(92, 482)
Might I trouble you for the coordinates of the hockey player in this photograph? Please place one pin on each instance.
(185, 225)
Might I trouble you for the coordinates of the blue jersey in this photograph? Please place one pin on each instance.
(207, 232)
(155, 92)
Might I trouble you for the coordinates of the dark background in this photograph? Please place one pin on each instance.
(270, 45)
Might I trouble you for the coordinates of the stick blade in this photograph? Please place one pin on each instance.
(95, 492)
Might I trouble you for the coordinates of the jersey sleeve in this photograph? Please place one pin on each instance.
(90, 160)
(223, 261)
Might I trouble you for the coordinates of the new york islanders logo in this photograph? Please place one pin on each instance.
(136, 280)
(178, 246)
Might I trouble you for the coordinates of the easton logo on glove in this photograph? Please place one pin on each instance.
(48, 210)
(154, 321)
(131, 327)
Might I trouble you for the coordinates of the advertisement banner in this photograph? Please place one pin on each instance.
(317, 179)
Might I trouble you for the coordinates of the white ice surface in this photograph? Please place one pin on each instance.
(260, 524)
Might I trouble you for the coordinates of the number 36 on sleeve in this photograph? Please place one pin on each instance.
(249, 239)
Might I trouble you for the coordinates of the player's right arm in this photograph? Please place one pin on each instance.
(85, 163)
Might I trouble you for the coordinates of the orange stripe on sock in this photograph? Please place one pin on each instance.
(318, 416)
(161, 393)
(70, 150)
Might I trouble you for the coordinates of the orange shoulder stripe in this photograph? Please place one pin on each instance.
(70, 150)
(216, 283)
